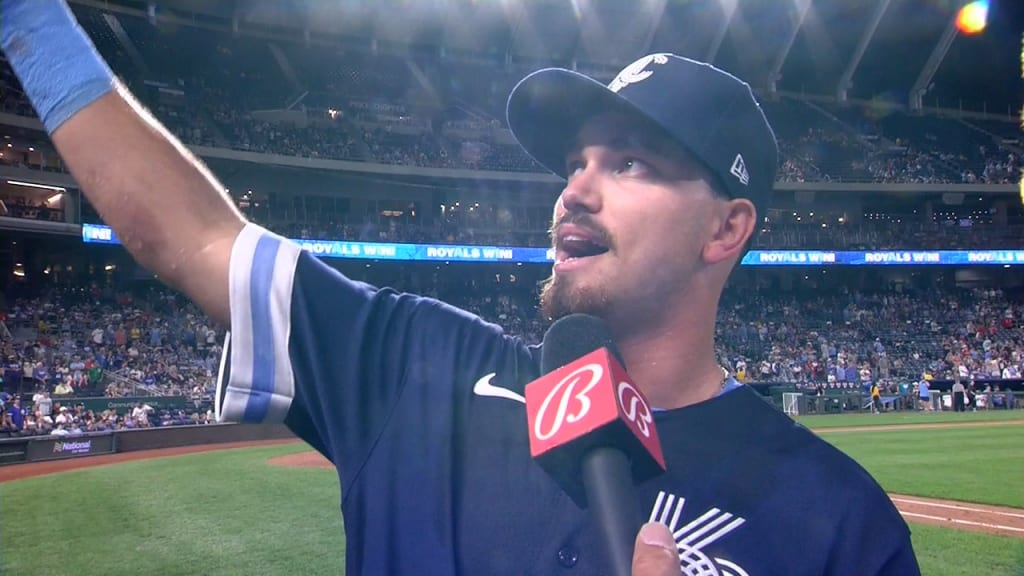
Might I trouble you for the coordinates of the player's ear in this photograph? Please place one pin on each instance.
(733, 224)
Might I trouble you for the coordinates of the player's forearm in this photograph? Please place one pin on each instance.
(168, 210)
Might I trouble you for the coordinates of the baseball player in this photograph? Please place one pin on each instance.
(420, 405)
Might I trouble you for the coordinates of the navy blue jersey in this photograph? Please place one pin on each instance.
(420, 407)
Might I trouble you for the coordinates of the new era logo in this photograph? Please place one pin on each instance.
(739, 170)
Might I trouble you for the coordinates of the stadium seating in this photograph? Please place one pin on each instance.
(154, 343)
(206, 86)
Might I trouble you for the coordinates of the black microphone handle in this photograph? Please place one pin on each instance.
(608, 483)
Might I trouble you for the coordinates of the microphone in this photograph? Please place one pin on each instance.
(592, 430)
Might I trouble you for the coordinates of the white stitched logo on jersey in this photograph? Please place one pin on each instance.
(636, 72)
(739, 170)
(696, 534)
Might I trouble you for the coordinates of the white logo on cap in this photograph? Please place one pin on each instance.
(637, 71)
(739, 170)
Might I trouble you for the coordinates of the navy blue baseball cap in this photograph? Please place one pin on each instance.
(710, 113)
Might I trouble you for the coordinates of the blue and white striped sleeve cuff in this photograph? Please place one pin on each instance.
(256, 382)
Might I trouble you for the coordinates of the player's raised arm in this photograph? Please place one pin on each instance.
(328, 356)
(167, 208)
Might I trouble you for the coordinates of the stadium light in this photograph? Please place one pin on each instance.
(577, 9)
(972, 18)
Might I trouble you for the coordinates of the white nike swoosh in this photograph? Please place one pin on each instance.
(483, 387)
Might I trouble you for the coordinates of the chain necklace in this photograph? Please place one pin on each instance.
(725, 379)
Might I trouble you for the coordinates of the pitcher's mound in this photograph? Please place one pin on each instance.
(311, 459)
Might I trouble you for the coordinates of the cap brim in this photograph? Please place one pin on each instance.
(547, 109)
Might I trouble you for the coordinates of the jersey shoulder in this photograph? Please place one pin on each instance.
(822, 469)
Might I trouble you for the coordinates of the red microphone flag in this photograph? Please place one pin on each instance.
(588, 403)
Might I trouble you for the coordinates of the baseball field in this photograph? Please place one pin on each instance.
(274, 509)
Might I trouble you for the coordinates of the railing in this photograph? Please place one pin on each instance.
(120, 378)
(801, 400)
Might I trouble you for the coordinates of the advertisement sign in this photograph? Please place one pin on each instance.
(99, 234)
(121, 405)
(59, 447)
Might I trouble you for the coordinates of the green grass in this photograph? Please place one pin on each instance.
(223, 513)
(949, 552)
(984, 465)
(230, 513)
(822, 421)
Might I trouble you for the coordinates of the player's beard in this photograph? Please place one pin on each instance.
(559, 298)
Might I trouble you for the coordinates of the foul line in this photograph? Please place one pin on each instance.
(967, 522)
(957, 507)
(853, 428)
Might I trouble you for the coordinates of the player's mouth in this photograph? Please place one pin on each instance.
(576, 246)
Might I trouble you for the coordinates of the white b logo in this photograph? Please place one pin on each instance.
(637, 411)
(592, 371)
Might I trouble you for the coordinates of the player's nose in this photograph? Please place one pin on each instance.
(582, 191)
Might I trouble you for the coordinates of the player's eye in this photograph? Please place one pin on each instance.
(634, 167)
(573, 167)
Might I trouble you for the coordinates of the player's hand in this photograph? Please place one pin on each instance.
(655, 552)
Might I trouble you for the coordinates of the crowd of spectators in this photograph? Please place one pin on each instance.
(70, 344)
(821, 233)
(507, 224)
(364, 107)
(1000, 168)
(47, 416)
(841, 154)
(819, 155)
(89, 342)
(367, 108)
(848, 338)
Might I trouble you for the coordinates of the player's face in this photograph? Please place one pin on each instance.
(629, 227)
